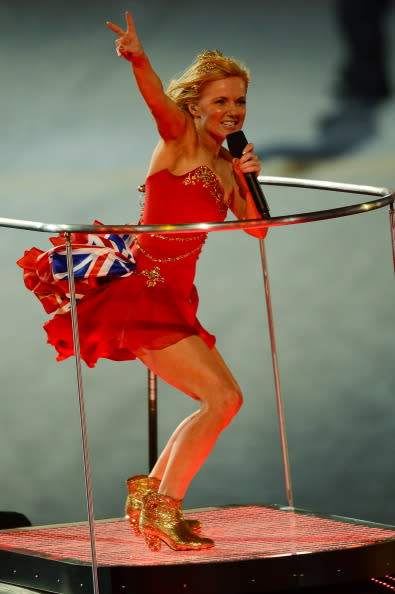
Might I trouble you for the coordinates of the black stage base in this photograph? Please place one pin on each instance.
(258, 549)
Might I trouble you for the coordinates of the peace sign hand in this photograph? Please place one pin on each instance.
(128, 44)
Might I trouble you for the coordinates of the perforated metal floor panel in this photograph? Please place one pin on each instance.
(258, 549)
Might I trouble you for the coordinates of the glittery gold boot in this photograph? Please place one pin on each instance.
(138, 486)
(161, 519)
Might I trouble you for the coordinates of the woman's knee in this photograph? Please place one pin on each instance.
(225, 404)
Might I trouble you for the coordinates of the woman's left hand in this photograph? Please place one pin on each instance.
(248, 162)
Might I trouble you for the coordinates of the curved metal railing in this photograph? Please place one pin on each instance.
(387, 197)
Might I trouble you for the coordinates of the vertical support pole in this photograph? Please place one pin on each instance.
(392, 229)
(280, 407)
(152, 419)
(84, 434)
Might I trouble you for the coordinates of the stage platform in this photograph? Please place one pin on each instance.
(258, 549)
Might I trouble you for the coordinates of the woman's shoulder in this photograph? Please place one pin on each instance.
(170, 153)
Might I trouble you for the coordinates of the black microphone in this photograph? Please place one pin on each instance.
(236, 142)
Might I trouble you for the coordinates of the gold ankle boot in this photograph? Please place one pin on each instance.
(138, 486)
(161, 519)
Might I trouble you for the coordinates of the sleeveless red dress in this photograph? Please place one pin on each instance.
(155, 305)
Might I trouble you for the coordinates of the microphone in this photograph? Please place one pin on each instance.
(236, 142)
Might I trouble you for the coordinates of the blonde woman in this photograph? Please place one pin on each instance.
(151, 314)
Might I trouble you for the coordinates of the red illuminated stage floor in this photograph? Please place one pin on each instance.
(258, 549)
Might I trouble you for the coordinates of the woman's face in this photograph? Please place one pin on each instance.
(221, 108)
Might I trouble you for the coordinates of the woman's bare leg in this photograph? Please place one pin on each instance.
(160, 466)
(201, 373)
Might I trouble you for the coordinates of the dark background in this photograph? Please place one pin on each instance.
(75, 143)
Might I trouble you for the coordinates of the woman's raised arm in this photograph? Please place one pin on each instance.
(170, 119)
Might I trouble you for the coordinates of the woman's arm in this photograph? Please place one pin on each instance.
(243, 205)
(171, 120)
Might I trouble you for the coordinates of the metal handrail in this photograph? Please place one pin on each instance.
(386, 197)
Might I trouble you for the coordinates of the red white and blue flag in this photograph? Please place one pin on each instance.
(109, 255)
(96, 259)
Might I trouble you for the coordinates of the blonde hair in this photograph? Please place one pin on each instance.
(208, 66)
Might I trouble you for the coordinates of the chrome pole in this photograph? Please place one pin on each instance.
(152, 419)
(279, 400)
(392, 228)
(84, 433)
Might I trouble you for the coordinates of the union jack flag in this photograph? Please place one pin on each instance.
(98, 256)
(96, 259)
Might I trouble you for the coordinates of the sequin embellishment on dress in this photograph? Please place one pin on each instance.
(209, 180)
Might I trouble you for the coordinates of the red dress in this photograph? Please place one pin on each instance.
(155, 305)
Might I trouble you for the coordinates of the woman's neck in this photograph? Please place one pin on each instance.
(209, 144)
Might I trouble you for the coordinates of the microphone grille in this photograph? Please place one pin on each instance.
(236, 142)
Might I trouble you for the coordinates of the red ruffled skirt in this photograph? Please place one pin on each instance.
(118, 316)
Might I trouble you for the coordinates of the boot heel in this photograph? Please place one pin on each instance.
(133, 520)
(153, 542)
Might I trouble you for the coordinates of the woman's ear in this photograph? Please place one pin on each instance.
(193, 109)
